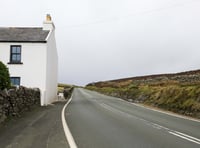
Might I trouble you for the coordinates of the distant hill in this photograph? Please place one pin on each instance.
(187, 76)
(177, 92)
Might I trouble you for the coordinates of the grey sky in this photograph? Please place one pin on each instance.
(108, 39)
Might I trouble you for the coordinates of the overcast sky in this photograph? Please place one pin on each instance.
(108, 39)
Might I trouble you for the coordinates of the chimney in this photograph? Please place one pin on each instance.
(48, 23)
(48, 17)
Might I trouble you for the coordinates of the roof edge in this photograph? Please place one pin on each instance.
(10, 41)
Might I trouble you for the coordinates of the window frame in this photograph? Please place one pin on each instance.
(15, 54)
(14, 78)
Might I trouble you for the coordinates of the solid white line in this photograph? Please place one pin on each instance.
(68, 134)
(167, 113)
(184, 137)
(188, 136)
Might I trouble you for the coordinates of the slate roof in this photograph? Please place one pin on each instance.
(13, 34)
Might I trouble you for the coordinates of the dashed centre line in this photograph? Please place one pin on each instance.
(154, 125)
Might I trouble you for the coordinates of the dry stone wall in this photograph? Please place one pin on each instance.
(17, 100)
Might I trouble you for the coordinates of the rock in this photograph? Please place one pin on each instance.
(130, 100)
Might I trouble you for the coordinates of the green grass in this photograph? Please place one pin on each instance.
(174, 96)
(62, 86)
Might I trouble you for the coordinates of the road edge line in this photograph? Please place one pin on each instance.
(67, 132)
(155, 110)
(166, 112)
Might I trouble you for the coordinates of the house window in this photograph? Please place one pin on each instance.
(15, 54)
(15, 81)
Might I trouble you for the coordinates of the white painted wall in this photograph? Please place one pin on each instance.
(39, 68)
(52, 62)
(52, 68)
(33, 70)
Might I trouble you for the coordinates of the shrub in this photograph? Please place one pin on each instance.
(4, 77)
(67, 92)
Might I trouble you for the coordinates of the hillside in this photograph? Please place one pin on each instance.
(179, 92)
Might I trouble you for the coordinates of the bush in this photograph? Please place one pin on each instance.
(4, 77)
(67, 92)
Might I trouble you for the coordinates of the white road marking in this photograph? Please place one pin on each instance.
(186, 137)
(148, 108)
(115, 110)
(154, 125)
(68, 134)
(171, 114)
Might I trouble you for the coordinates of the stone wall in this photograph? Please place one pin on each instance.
(17, 100)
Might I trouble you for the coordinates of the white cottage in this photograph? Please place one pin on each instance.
(31, 56)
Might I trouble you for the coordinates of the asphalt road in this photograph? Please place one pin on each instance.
(98, 121)
(39, 128)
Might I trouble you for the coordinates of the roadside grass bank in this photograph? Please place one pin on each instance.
(61, 87)
(177, 93)
(66, 89)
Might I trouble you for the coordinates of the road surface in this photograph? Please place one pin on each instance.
(99, 121)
